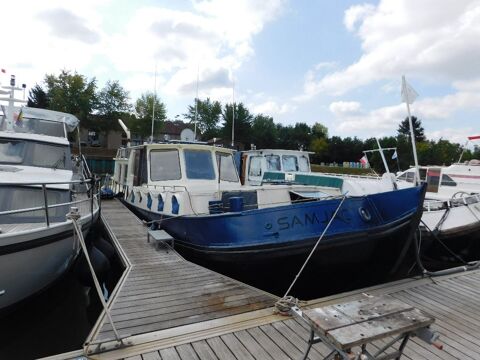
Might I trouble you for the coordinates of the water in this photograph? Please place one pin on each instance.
(57, 320)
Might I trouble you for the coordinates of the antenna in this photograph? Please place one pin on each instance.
(154, 99)
(233, 113)
(196, 106)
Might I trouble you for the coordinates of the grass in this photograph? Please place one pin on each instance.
(341, 170)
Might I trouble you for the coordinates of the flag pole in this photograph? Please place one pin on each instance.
(412, 135)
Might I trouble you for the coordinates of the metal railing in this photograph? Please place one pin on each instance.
(92, 192)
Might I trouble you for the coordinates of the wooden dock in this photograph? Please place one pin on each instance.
(167, 308)
(160, 290)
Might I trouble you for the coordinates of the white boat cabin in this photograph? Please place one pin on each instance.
(444, 182)
(191, 179)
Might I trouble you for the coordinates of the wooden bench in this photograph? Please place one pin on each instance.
(160, 236)
(358, 323)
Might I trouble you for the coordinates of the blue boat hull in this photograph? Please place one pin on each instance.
(364, 228)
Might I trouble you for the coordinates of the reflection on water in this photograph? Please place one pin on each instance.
(55, 321)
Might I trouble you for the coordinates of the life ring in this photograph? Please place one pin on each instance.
(364, 214)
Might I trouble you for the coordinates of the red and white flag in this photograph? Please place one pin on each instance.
(364, 160)
(475, 137)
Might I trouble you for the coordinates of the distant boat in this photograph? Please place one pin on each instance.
(452, 204)
(194, 193)
(39, 183)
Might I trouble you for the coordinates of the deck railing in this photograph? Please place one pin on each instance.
(92, 192)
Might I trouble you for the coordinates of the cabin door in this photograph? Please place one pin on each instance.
(433, 179)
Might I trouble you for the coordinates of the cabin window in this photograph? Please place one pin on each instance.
(303, 163)
(255, 166)
(164, 165)
(290, 163)
(32, 153)
(408, 176)
(227, 167)
(273, 162)
(11, 151)
(17, 197)
(448, 181)
(199, 164)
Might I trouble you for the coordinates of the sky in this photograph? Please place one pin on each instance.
(339, 62)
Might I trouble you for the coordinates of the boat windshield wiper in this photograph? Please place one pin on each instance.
(61, 160)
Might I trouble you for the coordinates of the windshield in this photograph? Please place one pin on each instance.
(32, 153)
(227, 167)
(290, 163)
(273, 162)
(36, 126)
(164, 165)
(199, 164)
(303, 163)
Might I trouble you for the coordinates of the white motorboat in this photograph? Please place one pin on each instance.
(452, 202)
(39, 183)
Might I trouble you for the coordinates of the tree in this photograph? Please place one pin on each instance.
(38, 98)
(208, 117)
(319, 131)
(144, 111)
(418, 131)
(242, 126)
(264, 132)
(112, 105)
(71, 93)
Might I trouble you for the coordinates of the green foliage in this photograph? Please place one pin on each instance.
(38, 98)
(418, 131)
(319, 131)
(112, 105)
(208, 117)
(71, 93)
(242, 126)
(264, 132)
(142, 124)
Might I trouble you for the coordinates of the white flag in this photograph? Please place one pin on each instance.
(408, 93)
(394, 156)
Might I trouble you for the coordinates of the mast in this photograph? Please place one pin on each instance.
(196, 107)
(407, 90)
(154, 99)
(233, 113)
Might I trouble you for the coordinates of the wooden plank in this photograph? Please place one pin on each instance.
(187, 352)
(252, 345)
(169, 354)
(154, 355)
(220, 349)
(204, 351)
(236, 347)
(282, 342)
(376, 328)
(268, 344)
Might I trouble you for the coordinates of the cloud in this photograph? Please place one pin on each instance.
(215, 35)
(65, 24)
(272, 108)
(351, 118)
(457, 135)
(422, 39)
(342, 108)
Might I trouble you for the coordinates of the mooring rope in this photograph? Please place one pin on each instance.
(288, 300)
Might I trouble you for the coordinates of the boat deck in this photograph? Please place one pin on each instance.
(160, 290)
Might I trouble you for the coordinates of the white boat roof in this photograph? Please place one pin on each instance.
(178, 145)
(70, 121)
(278, 151)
